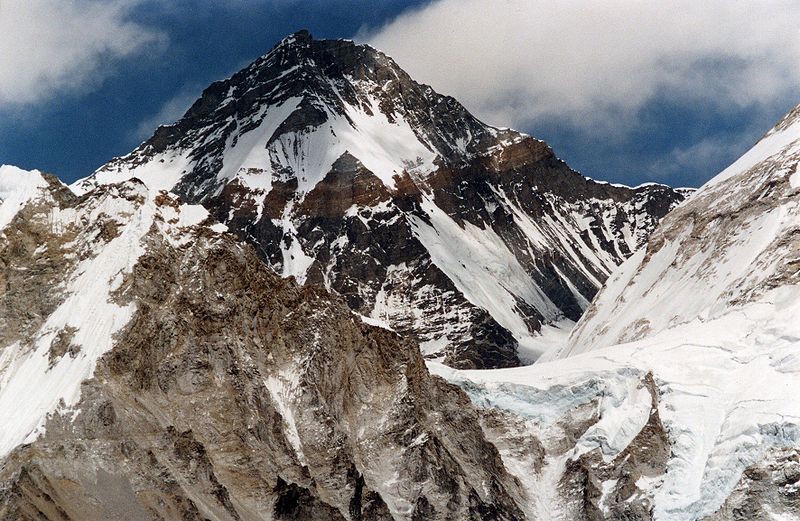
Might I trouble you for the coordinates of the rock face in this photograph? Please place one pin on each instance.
(676, 395)
(343, 171)
(152, 367)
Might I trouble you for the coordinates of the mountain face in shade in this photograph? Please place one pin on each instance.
(343, 171)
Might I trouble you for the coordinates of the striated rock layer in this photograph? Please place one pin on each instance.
(343, 171)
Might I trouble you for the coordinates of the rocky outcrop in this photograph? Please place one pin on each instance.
(343, 171)
(598, 488)
(227, 393)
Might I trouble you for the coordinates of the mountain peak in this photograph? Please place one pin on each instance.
(344, 171)
(297, 40)
(329, 95)
(329, 58)
(303, 36)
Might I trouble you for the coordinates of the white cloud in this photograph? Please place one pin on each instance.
(711, 154)
(55, 46)
(593, 63)
(170, 112)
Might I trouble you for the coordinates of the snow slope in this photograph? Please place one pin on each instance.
(17, 187)
(100, 240)
(709, 310)
(736, 239)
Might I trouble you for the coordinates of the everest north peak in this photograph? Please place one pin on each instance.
(343, 171)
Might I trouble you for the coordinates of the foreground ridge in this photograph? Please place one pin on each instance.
(153, 368)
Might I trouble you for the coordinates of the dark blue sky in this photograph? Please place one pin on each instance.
(76, 131)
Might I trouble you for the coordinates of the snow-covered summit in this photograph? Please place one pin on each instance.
(293, 112)
(343, 171)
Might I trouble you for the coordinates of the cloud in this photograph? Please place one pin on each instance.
(54, 46)
(711, 154)
(593, 63)
(170, 112)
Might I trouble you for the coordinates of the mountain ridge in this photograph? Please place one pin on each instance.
(447, 217)
(699, 331)
(153, 367)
